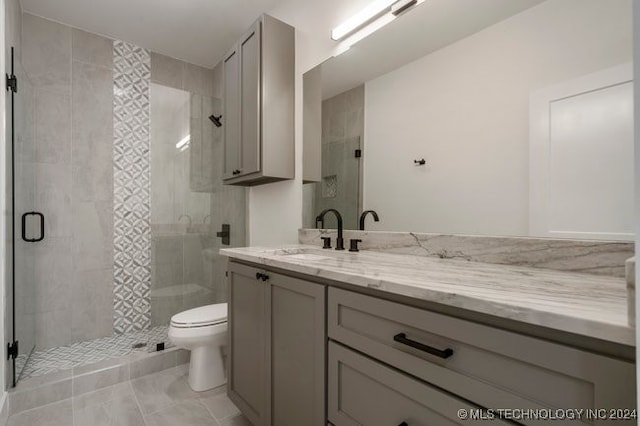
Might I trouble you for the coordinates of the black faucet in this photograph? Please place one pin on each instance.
(364, 215)
(339, 240)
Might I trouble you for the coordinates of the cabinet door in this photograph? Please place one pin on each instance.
(249, 51)
(231, 115)
(296, 309)
(247, 384)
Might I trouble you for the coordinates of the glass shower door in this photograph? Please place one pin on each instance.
(189, 204)
(28, 225)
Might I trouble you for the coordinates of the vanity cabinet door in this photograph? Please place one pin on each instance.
(296, 310)
(248, 373)
(277, 345)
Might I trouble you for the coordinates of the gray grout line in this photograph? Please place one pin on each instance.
(135, 397)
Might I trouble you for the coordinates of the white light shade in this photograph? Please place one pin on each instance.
(365, 32)
(374, 10)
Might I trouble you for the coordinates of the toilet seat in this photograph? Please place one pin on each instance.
(204, 316)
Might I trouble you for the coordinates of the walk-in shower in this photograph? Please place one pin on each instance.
(117, 197)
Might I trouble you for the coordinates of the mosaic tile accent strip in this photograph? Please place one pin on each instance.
(90, 352)
(329, 186)
(131, 186)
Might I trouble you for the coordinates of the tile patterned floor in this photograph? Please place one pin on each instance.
(160, 399)
(89, 352)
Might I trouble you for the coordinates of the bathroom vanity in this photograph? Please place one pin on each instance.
(325, 337)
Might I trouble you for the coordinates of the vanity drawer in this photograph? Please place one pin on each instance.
(365, 392)
(491, 367)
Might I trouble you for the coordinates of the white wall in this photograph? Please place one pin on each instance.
(465, 109)
(275, 210)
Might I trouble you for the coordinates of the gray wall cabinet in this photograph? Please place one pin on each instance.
(389, 363)
(277, 347)
(259, 105)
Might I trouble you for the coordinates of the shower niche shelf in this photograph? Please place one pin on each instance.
(259, 105)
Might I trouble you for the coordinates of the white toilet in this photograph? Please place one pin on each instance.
(203, 331)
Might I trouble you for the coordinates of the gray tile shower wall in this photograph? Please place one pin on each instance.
(175, 73)
(590, 257)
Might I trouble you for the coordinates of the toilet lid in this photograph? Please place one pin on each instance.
(202, 316)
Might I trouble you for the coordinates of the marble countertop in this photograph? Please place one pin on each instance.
(588, 305)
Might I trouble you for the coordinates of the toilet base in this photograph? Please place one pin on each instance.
(206, 369)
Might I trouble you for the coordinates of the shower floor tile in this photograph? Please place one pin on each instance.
(89, 352)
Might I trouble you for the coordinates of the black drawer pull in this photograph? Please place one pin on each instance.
(404, 424)
(402, 338)
(261, 276)
(24, 227)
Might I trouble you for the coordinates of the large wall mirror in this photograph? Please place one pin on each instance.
(522, 111)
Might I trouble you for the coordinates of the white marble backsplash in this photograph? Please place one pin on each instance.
(605, 258)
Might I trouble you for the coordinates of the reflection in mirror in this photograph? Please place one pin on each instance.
(341, 172)
(522, 111)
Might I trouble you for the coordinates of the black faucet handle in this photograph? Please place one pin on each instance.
(326, 242)
(353, 244)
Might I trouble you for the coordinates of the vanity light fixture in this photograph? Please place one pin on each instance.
(369, 20)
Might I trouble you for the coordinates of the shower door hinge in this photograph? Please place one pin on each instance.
(12, 83)
(358, 153)
(12, 350)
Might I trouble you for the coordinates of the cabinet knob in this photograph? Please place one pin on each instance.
(404, 424)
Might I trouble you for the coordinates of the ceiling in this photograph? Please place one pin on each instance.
(423, 30)
(196, 31)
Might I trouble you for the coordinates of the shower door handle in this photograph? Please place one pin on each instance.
(24, 227)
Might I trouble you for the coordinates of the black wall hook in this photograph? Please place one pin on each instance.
(420, 162)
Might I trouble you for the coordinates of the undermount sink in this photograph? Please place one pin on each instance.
(307, 256)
